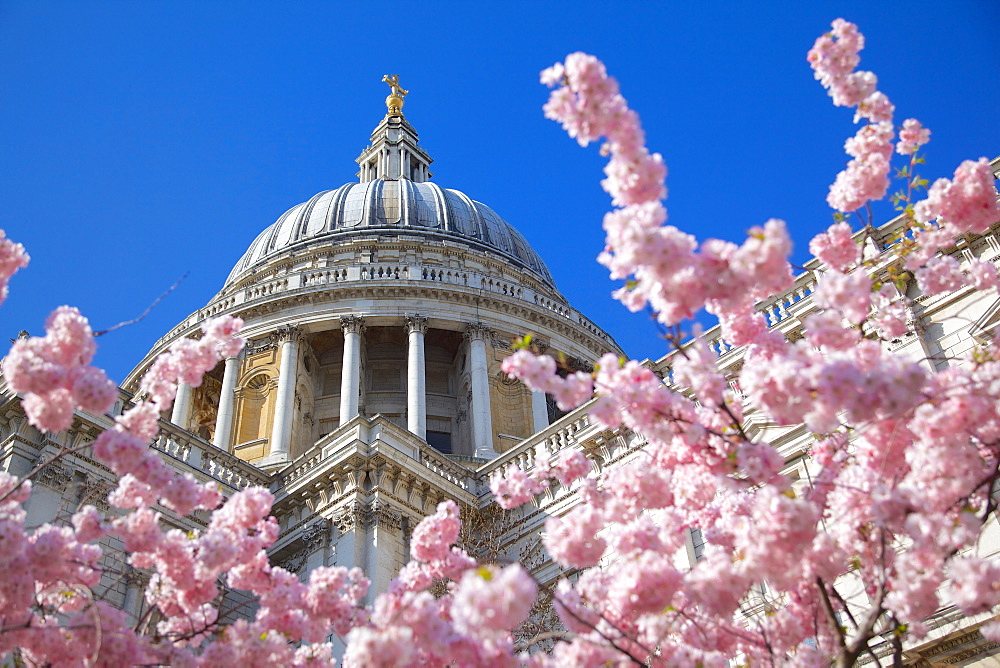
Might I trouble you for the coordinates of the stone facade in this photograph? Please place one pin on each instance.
(370, 389)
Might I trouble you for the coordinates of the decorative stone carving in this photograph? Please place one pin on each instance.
(499, 341)
(346, 520)
(317, 535)
(135, 577)
(288, 333)
(295, 562)
(539, 345)
(366, 516)
(384, 516)
(94, 491)
(55, 476)
(477, 331)
(352, 323)
(577, 364)
(416, 323)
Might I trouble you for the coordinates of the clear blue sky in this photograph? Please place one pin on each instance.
(143, 140)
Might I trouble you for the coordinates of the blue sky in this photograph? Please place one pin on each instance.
(141, 141)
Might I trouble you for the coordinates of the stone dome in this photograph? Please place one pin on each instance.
(399, 205)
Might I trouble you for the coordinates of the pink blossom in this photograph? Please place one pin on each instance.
(864, 179)
(435, 534)
(380, 648)
(573, 390)
(834, 57)
(911, 137)
(891, 319)
(493, 599)
(52, 372)
(850, 294)
(968, 202)
(984, 275)
(513, 488)
(572, 465)
(12, 258)
(535, 371)
(975, 584)
(940, 274)
(573, 540)
(836, 247)
(697, 369)
(828, 330)
(876, 108)
(52, 411)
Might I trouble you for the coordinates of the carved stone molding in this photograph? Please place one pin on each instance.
(269, 342)
(287, 333)
(577, 364)
(365, 516)
(94, 491)
(499, 341)
(416, 323)
(384, 516)
(477, 331)
(55, 476)
(352, 323)
(317, 535)
(346, 520)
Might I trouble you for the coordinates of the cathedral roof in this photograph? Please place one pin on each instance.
(393, 195)
(392, 205)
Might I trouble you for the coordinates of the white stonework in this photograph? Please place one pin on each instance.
(343, 388)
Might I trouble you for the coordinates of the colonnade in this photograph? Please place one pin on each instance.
(352, 326)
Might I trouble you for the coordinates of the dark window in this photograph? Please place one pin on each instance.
(441, 441)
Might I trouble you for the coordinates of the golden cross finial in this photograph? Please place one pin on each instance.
(394, 102)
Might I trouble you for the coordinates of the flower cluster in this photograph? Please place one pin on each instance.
(53, 372)
(834, 58)
(911, 137)
(12, 258)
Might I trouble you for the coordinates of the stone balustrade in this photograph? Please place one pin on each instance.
(222, 466)
(569, 431)
(447, 469)
(309, 279)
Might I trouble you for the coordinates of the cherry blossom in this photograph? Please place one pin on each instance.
(901, 468)
(12, 258)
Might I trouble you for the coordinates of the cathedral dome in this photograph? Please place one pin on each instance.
(399, 205)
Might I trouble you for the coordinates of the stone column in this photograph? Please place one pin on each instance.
(284, 404)
(416, 376)
(350, 378)
(224, 420)
(135, 584)
(181, 413)
(539, 411)
(482, 420)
